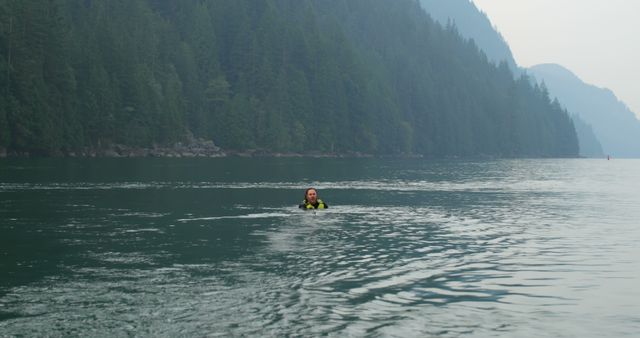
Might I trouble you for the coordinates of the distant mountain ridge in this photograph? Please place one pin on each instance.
(615, 125)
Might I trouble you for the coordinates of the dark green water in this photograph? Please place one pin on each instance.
(217, 247)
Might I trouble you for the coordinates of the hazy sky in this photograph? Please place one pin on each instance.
(598, 40)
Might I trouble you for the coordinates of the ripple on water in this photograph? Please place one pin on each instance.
(542, 256)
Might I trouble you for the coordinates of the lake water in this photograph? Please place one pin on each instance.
(408, 247)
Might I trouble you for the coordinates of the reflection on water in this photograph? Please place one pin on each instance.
(501, 248)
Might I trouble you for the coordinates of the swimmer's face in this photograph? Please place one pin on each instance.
(312, 196)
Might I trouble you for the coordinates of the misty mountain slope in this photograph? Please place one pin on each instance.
(589, 144)
(473, 24)
(616, 127)
(332, 76)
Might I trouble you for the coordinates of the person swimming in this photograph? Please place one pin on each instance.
(311, 200)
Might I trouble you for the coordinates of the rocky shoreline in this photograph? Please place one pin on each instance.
(199, 148)
(194, 148)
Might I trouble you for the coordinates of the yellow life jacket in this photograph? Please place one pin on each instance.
(308, 205)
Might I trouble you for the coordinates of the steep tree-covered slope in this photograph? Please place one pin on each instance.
(376, 76)
(472, 24)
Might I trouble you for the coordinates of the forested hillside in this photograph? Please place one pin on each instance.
(340, 76)
(472, 24)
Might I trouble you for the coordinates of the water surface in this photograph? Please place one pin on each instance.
(207, 247)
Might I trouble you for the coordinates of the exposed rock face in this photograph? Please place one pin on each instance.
(195, 148)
